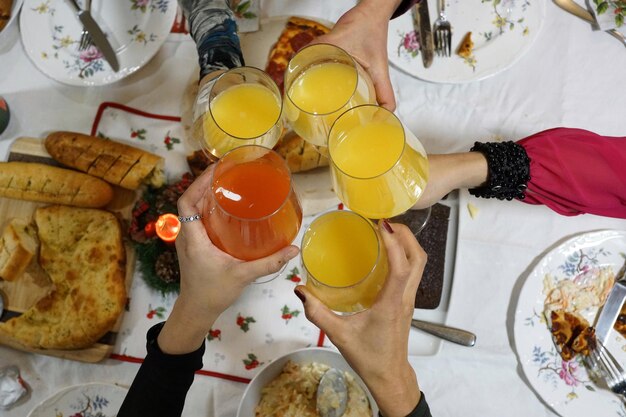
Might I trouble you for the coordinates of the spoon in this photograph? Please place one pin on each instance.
(332, 394)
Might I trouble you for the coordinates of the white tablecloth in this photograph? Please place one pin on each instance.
(571, 77)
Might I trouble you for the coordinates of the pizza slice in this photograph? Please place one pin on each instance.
(572, 334)
(466, 46)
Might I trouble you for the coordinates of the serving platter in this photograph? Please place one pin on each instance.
(21, 294)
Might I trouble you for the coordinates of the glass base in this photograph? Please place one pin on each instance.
(416, 220)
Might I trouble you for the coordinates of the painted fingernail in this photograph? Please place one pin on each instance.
(387, 226)
(300, 295)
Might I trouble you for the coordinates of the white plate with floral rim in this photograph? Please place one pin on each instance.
(51, 33)
(502, 31)
(88, 400)
(565, 385)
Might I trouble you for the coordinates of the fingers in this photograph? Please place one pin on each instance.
(251, 270)
(382, 84)
(189, 202)
(406, 261)
(320, 315)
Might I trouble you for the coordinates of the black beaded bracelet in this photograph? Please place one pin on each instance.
(509, 170)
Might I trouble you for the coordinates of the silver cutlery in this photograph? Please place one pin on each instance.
(451, 334)
(604, 365)
(85, 38)
(332, 394)
(576, 9)
(612, 306)
(421, 24)
(443, 32)
(98, 37)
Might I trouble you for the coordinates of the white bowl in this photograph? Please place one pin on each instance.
(9, 31)
(332, 358)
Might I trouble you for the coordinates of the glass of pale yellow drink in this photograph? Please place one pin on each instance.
(379, 169)
(345, 261)
(243, 106)
(321, 82)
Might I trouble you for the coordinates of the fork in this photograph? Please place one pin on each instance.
(443, 32)
(603, 364)
(85, 38)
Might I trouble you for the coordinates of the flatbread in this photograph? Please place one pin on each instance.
(83, 254)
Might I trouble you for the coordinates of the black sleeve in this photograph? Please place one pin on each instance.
(420, 410)
(161, 385)
(404, 7)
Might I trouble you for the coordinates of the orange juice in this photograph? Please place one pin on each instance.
(345, 261)
(321, 82)
(252, 211)
(376, 168)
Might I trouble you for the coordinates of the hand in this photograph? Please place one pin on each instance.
(210, 280)
(375, 341)
(362, 32)
(452, 171)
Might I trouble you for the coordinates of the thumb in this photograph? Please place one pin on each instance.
(318, 314)
(249, 271)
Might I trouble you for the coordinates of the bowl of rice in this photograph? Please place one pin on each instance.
(287, 386)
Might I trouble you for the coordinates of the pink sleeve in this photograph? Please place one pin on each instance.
(574, 171)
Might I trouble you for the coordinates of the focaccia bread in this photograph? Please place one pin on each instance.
(48, 184)
(18, 246)
(5, 12)
(115, 162)
(298, 32)
(82, 252)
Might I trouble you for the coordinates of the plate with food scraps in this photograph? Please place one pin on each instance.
(502, 31)
(93, 399)
(576, 277)
(296, 375)
(51, 34)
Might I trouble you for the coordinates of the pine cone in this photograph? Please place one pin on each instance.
(167, 266)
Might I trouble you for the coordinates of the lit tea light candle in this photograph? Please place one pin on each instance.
(167, 227)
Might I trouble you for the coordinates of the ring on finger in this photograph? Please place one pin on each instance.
(187, 219)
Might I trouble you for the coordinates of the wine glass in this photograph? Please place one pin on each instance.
(252, 209)
(321, 82)
(345, 261)
(242, 106)
(379, 169)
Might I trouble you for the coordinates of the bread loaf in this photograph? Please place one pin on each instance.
(115, 162)
(47, 184)
(18, 247)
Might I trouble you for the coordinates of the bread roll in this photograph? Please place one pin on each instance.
(115, 162)
(18, 247)
(47, 184)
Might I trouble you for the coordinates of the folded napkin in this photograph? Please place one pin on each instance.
(609, 15)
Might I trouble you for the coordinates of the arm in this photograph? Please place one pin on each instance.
(572, 171)
(211, 280)
(383, 366)
(362, 32)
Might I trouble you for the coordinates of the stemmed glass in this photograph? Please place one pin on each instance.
(242, 106)
(344, 260)
(379, 169)
(252, 209)
(321, 82)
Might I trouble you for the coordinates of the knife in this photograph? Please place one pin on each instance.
(421, 24)
(98, 37)
(612, 306)
(451, 334)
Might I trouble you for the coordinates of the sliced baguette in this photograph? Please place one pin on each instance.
(47, 184)
(115, 162)
(19, 246)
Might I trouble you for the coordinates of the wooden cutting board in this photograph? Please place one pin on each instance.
(24, 292)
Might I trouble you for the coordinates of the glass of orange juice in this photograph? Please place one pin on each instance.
(242, 106)
(321, 82)
(251, 210)
(345, 261)
(379, 169)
